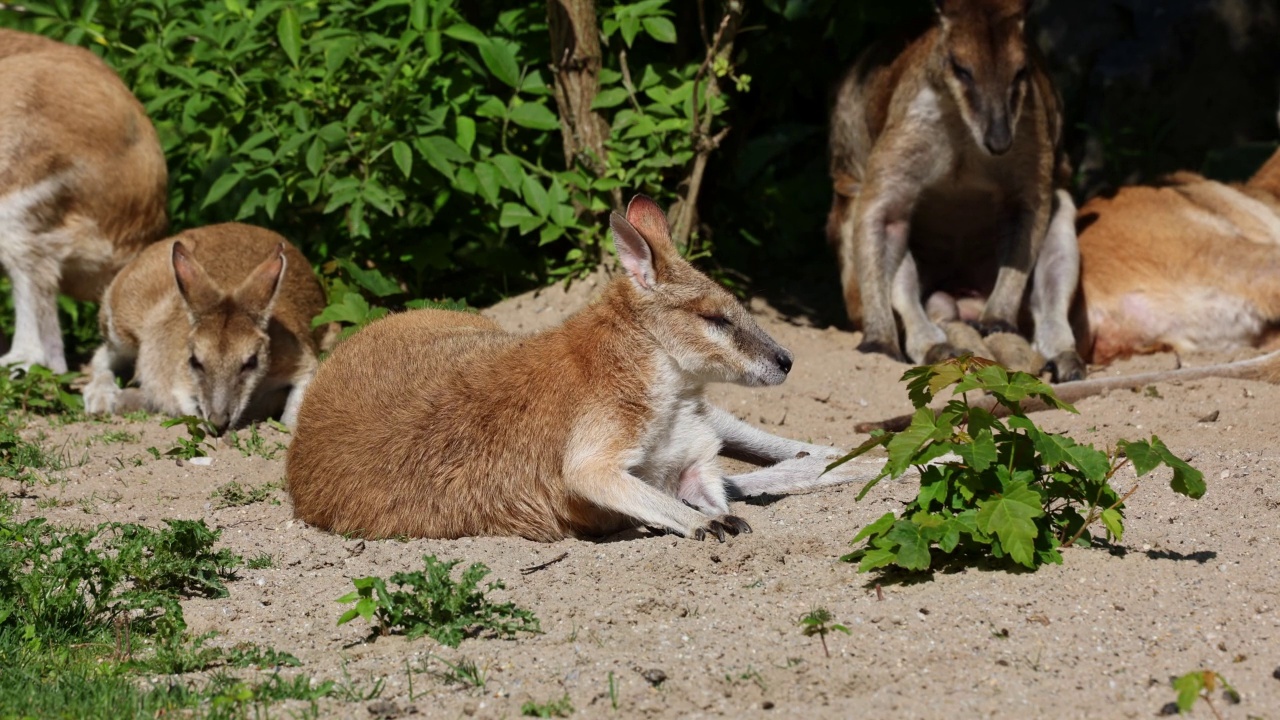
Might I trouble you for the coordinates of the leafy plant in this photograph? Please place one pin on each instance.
(252, 655)
(431, 603)
(195, 445)
(818, 622)
(1202, 684)
(1003, 488)
(255, 444)
(554, 708)
(261, 561)
(465, 673)
(233, 494)
(38, 390)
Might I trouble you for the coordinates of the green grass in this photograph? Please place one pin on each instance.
(552, 709)
(233, 494)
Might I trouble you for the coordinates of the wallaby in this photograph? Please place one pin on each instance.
(945, 152)
(216, 322)
(83, 185)
(439, 424)
(1188, 264)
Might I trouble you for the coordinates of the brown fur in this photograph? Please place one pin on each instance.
(939, 145)
(440, 424)
(1188, 264)
(71, 129)
(216, 321)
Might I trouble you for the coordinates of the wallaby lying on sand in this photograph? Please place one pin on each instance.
(216, 323)
(945, 152)
(1187, 264)
(439, 424)
(83, 185)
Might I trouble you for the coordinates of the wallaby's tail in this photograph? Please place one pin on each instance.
(1264, 367)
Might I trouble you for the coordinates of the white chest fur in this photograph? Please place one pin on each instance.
(679, 434)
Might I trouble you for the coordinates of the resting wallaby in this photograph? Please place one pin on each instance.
(1187, 264)
(83, 185)
(216, 323)
(439, 424)
(944, 155)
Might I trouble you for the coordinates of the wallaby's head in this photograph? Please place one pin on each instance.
(984, 61)
(700, 325)
(227, 344)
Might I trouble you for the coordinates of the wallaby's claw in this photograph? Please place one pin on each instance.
(883, 348)
(991, 327)
(725, 524)
(1067, 367)
(938, 353)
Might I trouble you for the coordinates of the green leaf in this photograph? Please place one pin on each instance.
(370, 279)
(1114, 522)
(612, 97)
(979, 454)
(913, 547)
(487, 177)
(1189, 687)
(1010, 517)
(534, 115)
(877, 528)
(466, 135)
(904, 445)
(403, 155)
(500, 57)
(289, 31)
(223, 185)
(1146, 456)
(512, 173)
(536, 196)
(466, 33)
(660, 29)
(872, 559)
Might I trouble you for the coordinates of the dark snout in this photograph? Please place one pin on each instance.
(999, 136)
(784, 361)
(220, 423)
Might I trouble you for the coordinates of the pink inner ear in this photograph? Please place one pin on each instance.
(645, 215)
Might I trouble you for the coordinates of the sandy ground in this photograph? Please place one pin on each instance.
(1193, 585)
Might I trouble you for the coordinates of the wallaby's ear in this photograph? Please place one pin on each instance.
(633, 252)
(194, 284)
(258, 292)
(646, 217)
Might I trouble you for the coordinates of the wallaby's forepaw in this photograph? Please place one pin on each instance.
(1015, 353)
(883, 348)
(100, 398)
(1067, 367)
(730, 524)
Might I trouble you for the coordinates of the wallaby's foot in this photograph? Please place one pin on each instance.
(22, 360)
(991, 327)
(940, 352)
(1015, 353)
(731, 524)
(1067, 367)
(132, 400)
(882, 347)
(101, 397)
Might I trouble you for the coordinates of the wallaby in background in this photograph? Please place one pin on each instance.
(216, 322)
(945, 155)
(83, 185)
(439, 424)
(1188, 264)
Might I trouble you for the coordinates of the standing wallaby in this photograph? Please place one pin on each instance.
(82, 185)
(944, 156)
(216, 322)
(439, 424)
(1188, 264)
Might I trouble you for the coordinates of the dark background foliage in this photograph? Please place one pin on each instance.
(421, 138)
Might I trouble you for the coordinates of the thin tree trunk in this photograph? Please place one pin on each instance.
(575, 62)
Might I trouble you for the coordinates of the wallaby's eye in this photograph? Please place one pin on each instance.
(962, 73)
(719, 321)
(250, 364)
(195, 364)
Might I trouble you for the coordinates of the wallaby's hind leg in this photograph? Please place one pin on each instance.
(37, 339)
(300, 382)
(1056, 275)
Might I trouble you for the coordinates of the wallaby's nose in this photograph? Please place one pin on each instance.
(220, 421)
(784, 361)
(999, 137)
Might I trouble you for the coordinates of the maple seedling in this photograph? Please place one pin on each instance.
(815, 622)
(998, 487)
